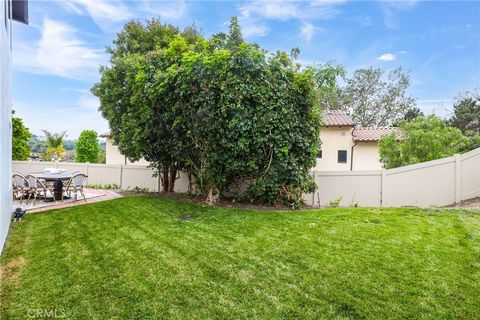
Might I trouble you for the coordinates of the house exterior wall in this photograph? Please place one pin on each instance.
(113, 155)
(366, 156)
(5, 125)
(334, 139)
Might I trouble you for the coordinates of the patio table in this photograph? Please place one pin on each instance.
(57, 179)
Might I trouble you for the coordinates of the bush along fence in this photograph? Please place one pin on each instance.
(435, 183)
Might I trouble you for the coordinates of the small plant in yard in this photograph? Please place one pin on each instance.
(335, 203)
(113, 186)
(354, 203)
(138, 189)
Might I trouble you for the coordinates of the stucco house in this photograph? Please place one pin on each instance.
(344, 145)
(114, 156)
(9, 10)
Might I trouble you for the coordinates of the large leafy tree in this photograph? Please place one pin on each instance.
(87, 148)
(20, 138)
(422, 139)
(373, 98)
(466, 112)
(140, 124)
(217, 108)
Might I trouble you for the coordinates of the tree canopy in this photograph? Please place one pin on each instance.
(20, 138)
(238, 119)
(466, 112)
(422, 139)
(372, 98)
(87, 148)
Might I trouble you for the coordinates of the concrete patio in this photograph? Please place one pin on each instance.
(91, 195)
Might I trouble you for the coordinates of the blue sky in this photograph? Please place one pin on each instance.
(57, 56)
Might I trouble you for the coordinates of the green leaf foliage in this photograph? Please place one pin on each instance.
(466, 112)
(240, 120)
(87, 148)
(422, 139)
(20, 138)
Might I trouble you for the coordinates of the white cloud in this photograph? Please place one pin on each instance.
(103, 12)
(108, 14)
(276, 10)
(390, 8)
(308, 31)
(59, 52)
(387, 57)
(167, 10)
(253, 14)
(283, 10)
(253, 29)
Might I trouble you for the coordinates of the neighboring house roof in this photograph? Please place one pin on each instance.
(337, 118)
(362, 134)
(105, 135)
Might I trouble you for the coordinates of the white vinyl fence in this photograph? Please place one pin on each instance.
(126, 177)
(433, 183)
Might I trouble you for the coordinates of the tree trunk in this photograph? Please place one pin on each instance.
(165, 181)
(172, 178)
(190, 184)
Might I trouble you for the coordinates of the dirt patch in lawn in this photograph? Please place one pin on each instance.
(10, 271)
(470, 204)
(222, 203)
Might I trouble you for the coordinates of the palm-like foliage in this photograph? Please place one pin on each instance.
(54, 140)
(54, 143)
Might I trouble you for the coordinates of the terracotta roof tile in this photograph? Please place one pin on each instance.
(337, 118)
(363, 134)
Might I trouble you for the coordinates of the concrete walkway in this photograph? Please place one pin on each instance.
(91, 195)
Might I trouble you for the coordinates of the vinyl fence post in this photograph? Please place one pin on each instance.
(458, 178)
(121, 177)
(382, 187)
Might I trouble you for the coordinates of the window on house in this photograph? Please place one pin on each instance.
(20, 11)
(319, 154)
(342, 156)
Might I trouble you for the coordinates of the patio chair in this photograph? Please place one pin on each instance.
(20, 186)
(76, 185)
(38, 188)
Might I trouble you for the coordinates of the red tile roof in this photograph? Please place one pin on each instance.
(369, 134)
(337, 118)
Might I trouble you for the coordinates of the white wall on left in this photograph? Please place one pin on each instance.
(5, 124)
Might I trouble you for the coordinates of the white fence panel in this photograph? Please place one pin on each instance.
(22, 167)
(104, 174)
(181, 185)
(425, 184)
(362, 187)
(470, 174)
(138, 176)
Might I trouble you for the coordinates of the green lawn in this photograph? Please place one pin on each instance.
(136, 258)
